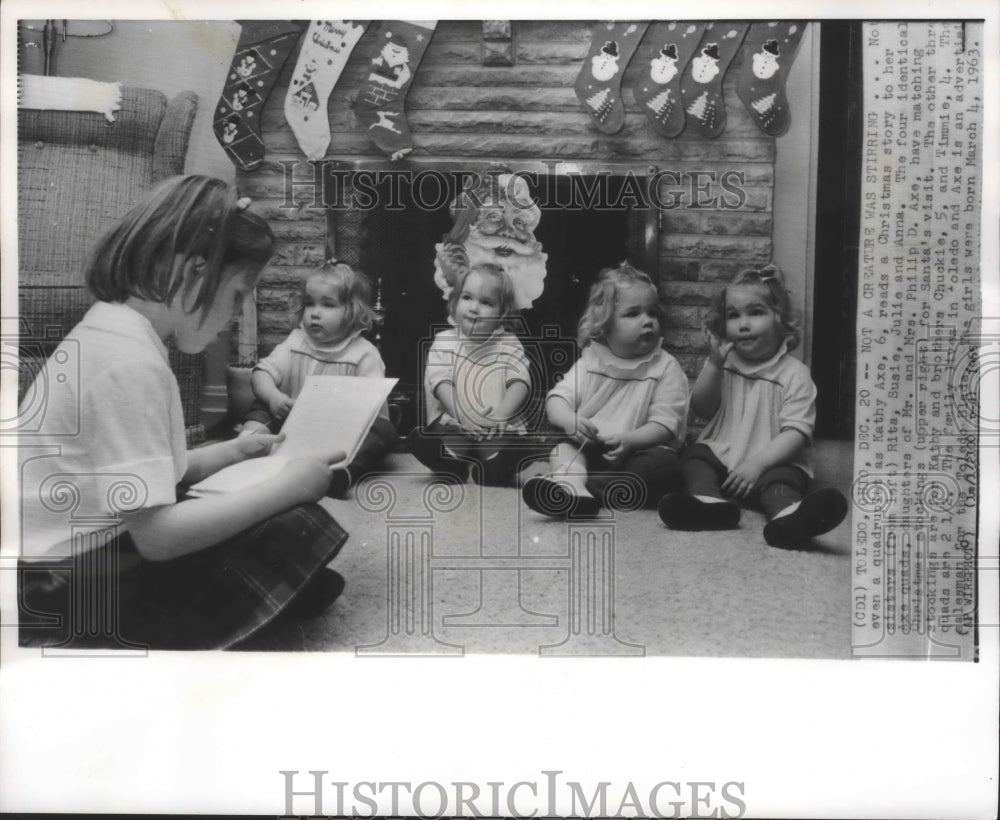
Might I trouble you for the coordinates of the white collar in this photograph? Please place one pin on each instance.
(607, 357)
(336, 347)
(495, 336)
(741, 365)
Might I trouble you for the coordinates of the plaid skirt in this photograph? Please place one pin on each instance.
(112, 598)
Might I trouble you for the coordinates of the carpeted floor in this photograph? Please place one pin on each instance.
(433, 570)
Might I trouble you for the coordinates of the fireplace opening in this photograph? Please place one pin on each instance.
(397, 250)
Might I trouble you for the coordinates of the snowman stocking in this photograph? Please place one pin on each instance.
(381, 105)
(701, 84)
(768, 52)
(261, 52)
(327, 45)
(599, 84)
(658, 91)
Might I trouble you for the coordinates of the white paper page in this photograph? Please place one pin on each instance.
(331, 413)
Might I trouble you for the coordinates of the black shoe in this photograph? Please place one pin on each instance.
(430, 452)
(817, 513)
(681, 511)
(549, 497)
(340, 483)
(497, 469)
(317, 596)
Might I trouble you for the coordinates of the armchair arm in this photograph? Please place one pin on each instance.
(170, 148)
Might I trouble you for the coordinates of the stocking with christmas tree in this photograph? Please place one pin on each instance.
(327, 45)
(701, 83)
(599, 83)
(381, 104)
(658, 89)
(261, 52)
(768, 52)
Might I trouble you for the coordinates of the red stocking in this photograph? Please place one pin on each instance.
(261, 53)
(701, 85)
(381, 105)
(658, 91)
(768, 52)
(599, 84)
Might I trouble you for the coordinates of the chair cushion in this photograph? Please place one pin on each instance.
(77, 175)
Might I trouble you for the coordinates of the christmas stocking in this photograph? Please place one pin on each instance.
(599, 83)
(701, 84)
(327, 45)
(658, 93)
(261, 52)
(381, 104)
(768, 52)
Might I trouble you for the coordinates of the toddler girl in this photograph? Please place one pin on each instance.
(622, 406)
(476, 382)
(336, 310)
(762, 406)
(99, 478)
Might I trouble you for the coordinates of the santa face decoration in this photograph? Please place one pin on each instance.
(765, 61)
(664, 68)
(501, 233)
(604, 66)
(705, 66)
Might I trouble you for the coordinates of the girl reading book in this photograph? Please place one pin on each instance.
(99, 477)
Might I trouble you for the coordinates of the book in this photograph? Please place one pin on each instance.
(331, 413)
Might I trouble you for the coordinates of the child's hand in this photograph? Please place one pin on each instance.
(490, 427)
(308, 478)
(617, 448)
(251, 427)
(718, 350)
(742, 479)
(257, 441)
(280, 405)
(586, 430)
(475, 427)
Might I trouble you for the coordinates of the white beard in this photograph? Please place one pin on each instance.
(526, 270)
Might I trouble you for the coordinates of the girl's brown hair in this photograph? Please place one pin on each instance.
(506, 297)
(600, 310)
(771, 282)
(354, 290)
(182, 220)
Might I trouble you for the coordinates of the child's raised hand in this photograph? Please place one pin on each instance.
(742, 479)
(280, 405)
(718, 350)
